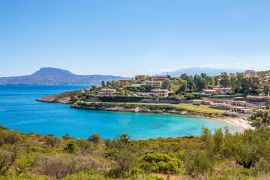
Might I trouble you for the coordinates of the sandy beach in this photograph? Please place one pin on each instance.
(241, 124)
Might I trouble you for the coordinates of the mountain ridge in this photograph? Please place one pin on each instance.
(198, 70)
(56, 76)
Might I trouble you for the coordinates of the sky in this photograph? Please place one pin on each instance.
(128, 37)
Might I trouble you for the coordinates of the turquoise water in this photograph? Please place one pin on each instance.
(20, 111)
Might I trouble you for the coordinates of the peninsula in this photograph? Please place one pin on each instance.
(226, 95)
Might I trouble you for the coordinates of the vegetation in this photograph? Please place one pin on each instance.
(153, 107)
(218, 155)
(260, 118)
(200, 109)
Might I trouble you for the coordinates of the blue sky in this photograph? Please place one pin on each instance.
(126, 37)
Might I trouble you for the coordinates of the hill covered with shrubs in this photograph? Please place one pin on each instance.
(211, 155)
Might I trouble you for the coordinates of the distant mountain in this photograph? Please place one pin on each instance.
(198, 70)
(54, 76)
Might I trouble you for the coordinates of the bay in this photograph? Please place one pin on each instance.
(19, 110)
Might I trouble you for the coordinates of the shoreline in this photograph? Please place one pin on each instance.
(240, 123)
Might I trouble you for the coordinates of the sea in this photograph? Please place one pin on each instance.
(20, 111)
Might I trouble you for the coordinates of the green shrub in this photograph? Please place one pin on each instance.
(51, 140)
(95, 138)
(198, 162)
(7, 158)
(70, 148)
(160, 163)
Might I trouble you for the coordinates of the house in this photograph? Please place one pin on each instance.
(136, 85)
(258, 98)
(160, 92)
(238, 103)
(154, 84)
(220, 90)
(154, 93)
(143, 94)
(251, 73)
(107, 92)
(140, 77)
(197, 102)
(160, 78)
(87, 89)
(217, 90)
(124, 81)
(243, 110)
(209, 91)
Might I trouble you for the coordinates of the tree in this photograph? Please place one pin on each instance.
(166, 84)
(7, 159)
(260, 118)
(103, 84)
(108, 83)
(115, 84)
(254, 85)
(218, 141)
(183, 87)
(198, 162)
(200, 82)
(266, 89)
(224, 81)
(124, 138)
(190, 82)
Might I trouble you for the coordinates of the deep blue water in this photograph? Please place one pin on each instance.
(20, 111)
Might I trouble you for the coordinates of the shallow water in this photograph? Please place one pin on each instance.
(20, 111)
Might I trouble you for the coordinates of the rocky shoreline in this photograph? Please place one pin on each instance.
(52, 99)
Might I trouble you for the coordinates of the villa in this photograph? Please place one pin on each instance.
(136, 85)
(154, 93)
(124, 81)
(217, 90)
(160, 78)
(220, 90)
(209, 91)
(250, 73)
(258, 98)
(160, 92)
(107, 92)
(154, 84)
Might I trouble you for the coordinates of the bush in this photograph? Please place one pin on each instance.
(160, 163)
(95, 138)
(197, 162)
(260, 118)
(54, 166)
(124, 158)
(124, 138)
(263, 165)
(84, 147)
(70, 148)
(7, 158)
(10, 137)
(50, 140)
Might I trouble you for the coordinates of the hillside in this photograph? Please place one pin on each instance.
(54, 76)
(210, 156)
